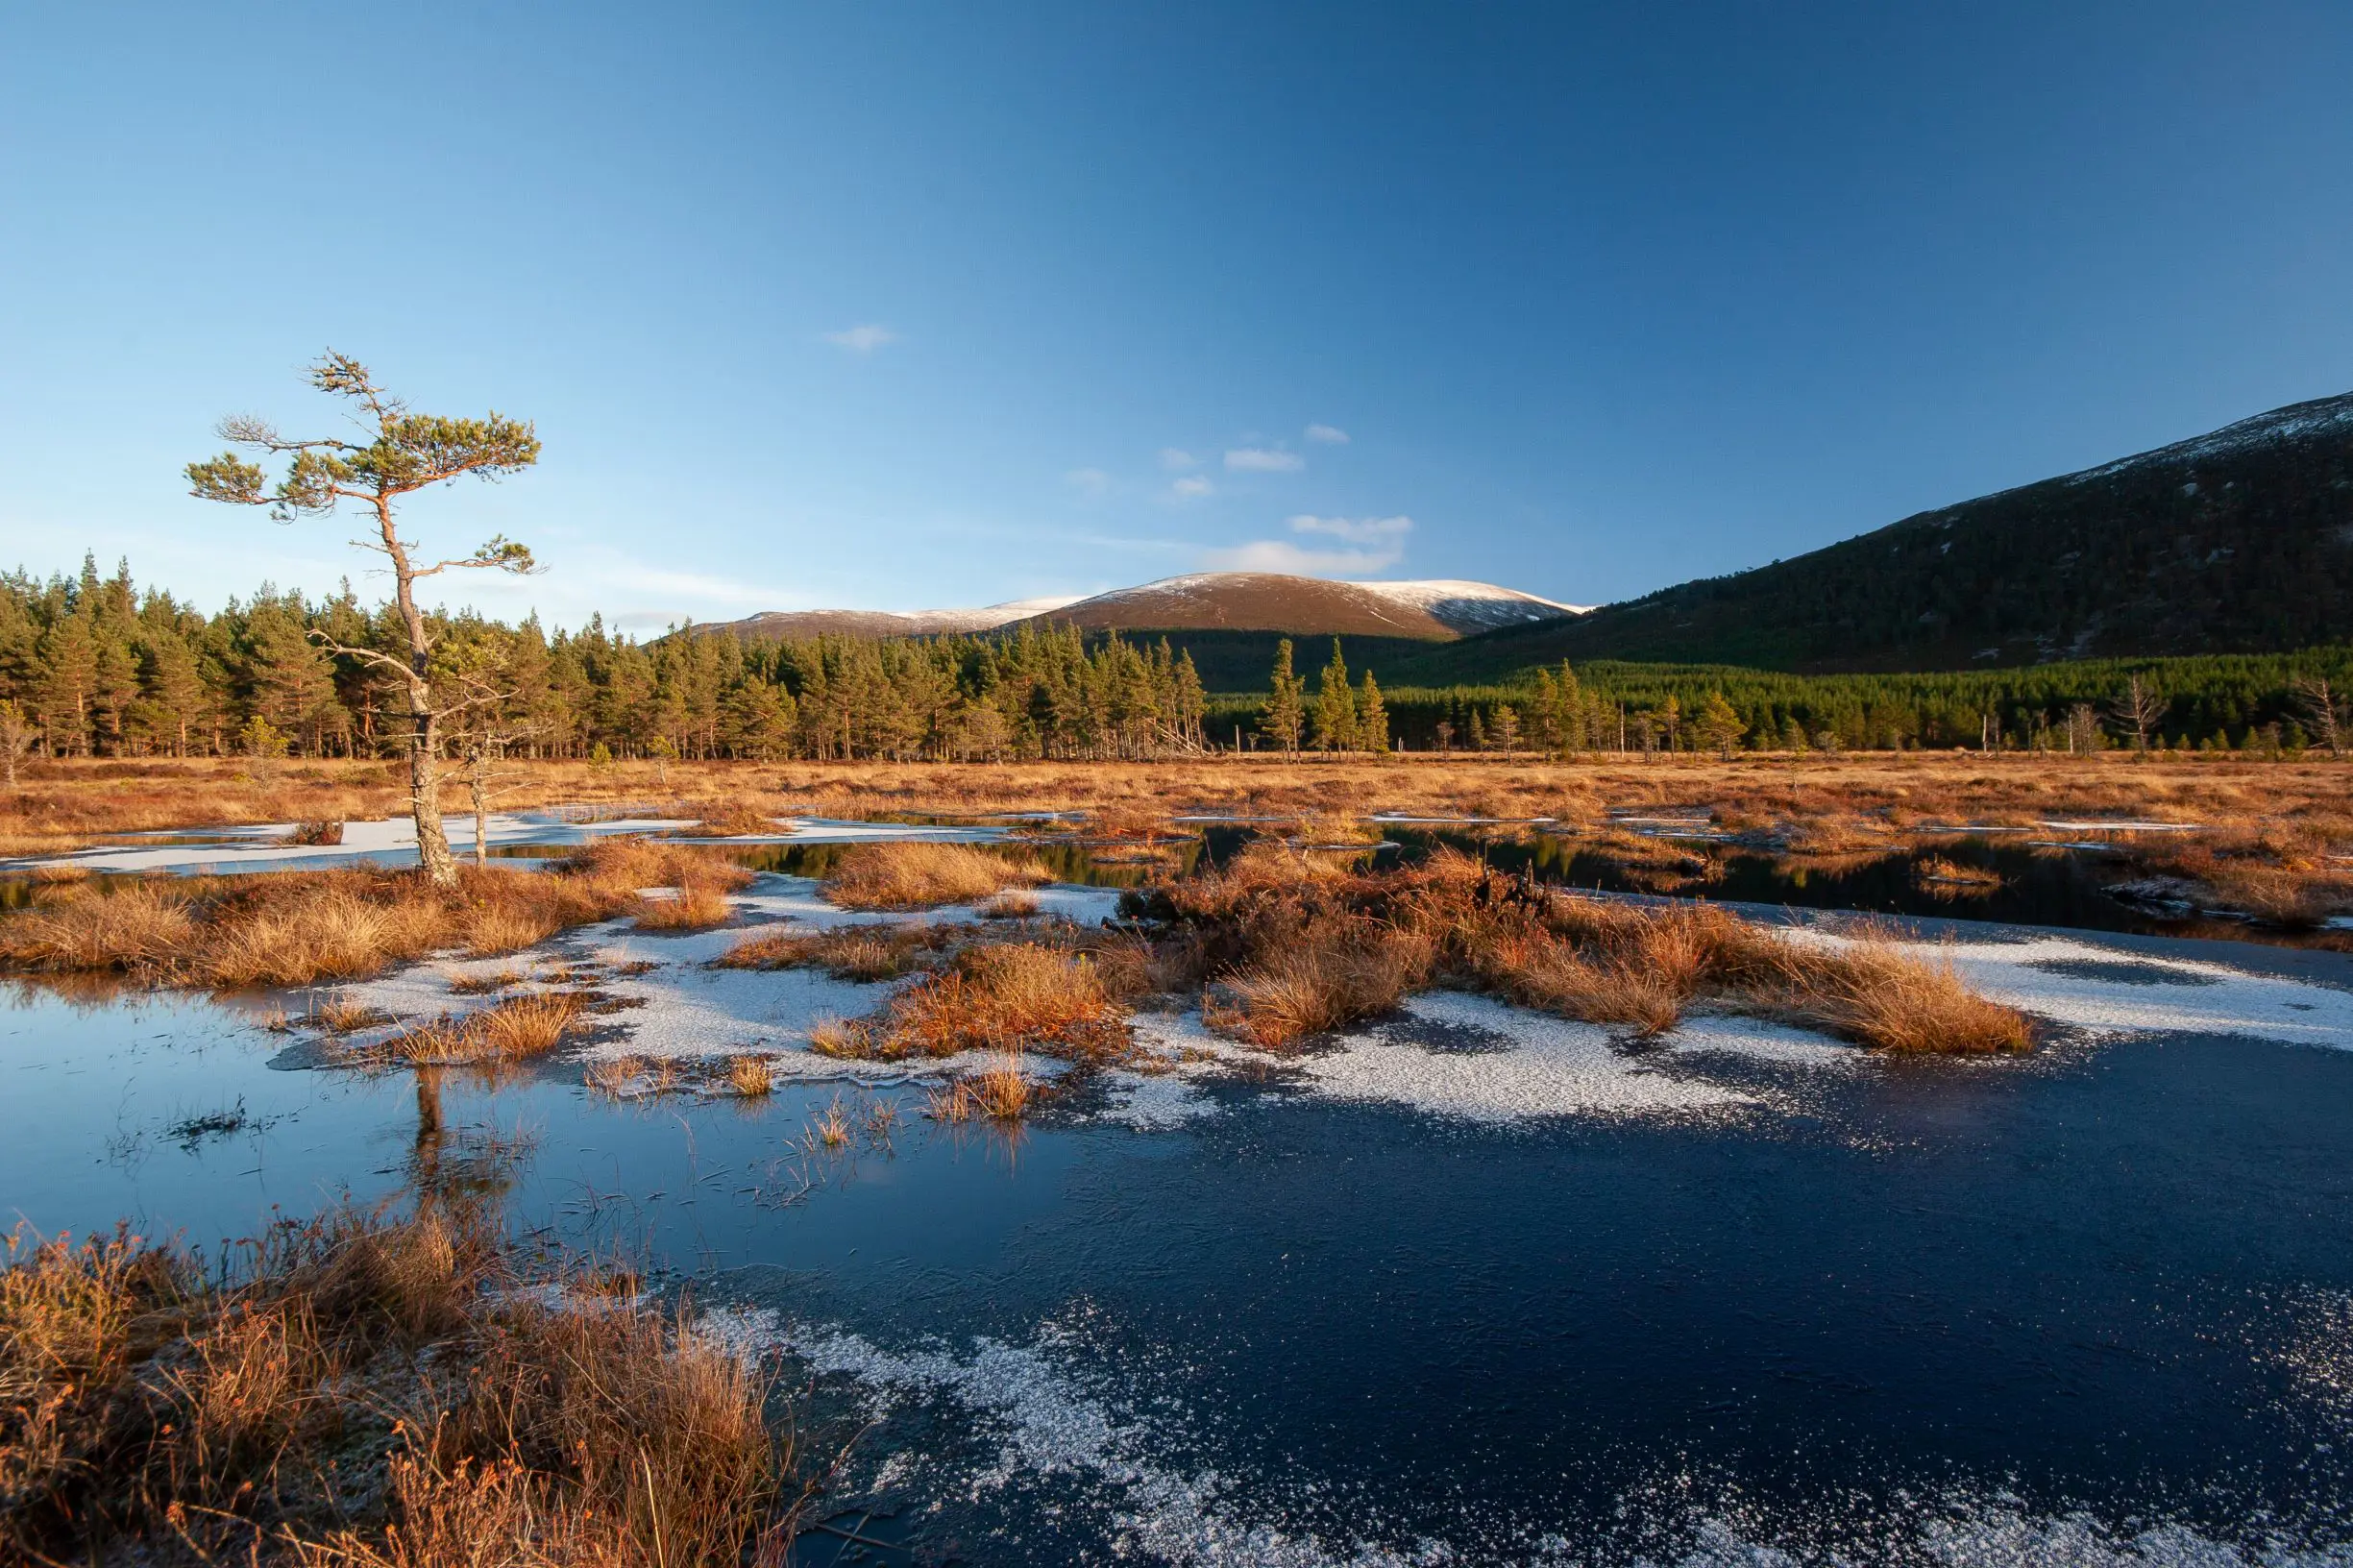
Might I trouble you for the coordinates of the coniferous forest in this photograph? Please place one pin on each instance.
(100, 666)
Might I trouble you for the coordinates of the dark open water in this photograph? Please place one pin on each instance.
(2094, 1306)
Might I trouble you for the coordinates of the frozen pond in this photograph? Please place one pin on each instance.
(1467, 1285)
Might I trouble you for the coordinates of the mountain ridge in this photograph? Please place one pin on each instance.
(1433, 609)
(2239, 540)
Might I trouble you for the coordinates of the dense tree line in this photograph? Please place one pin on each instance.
(2262, 703)
(94, 665)
(97, 668)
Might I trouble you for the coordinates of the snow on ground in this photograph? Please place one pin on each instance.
(1473, 1058)
(677, 1006)
(2112, 990)
(393, 841)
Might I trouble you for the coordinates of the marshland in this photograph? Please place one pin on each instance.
(1218, 1162)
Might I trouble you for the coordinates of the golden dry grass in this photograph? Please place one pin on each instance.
(751, 1076)
(847, 952)
(1013, 904)
(148, 1403)
(513, 1030)
(903, 876)
(738, 819)
(1289, 954)
(1813, 803)
(1327, 974)
(697, 907)
(991, 998)
(298, 928)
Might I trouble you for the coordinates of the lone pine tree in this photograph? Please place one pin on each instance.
(409, 452)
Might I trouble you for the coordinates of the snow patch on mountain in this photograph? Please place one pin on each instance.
(1473, 606)
(2298, 421)
(990, 617)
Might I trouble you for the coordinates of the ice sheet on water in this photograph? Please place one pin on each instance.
(1057, 1425)
(1474, 1059)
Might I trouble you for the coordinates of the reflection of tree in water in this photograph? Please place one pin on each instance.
(462, 1165)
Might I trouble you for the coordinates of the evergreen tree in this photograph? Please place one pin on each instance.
(1372, 718)
(1280, 720)
(1719, 725)
(1336, 708)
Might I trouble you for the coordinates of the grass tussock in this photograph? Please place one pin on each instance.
(737, 820)
(513, 1030)
(751, 1077)
(1013, 904)
(298, 928)
(904, 876)
(848, 952)
(1001, 1092)
(697, 907)
(1286, 956)
(364, 1391)
(994, 998)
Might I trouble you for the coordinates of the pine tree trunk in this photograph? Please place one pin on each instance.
(433, 855)
(481, 816)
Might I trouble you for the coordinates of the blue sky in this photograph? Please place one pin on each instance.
(900, 306)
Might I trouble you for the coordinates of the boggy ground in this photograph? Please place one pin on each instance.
(2276, 839)
(1283, 944)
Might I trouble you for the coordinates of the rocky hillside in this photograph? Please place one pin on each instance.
(2240, 541)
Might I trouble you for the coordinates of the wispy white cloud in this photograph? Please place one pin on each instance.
(1357, 530)
(1329, 434)
(1191, 487)
(1263, 460)
(862, 339)
(1088, 481)
(1282, 555)
(1377, 543)
(1175, 458)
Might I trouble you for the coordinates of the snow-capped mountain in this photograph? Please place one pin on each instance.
(1434, 610)
(890, 622)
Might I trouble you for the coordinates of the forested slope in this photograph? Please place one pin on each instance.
(2241, 541)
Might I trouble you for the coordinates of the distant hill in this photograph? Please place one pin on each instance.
(1434, 611)
(1207, 602)
(2239, 541)
(879, 623)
